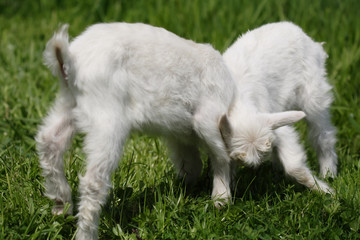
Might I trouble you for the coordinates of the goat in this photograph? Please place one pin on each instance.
(277, 68)
(119, 77)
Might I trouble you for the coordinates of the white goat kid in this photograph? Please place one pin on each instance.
(277, 68)
(119, 77)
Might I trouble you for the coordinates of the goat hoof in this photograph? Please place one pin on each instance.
(61, 208)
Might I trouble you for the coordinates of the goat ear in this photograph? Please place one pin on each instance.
(277, 120)
(225, 130)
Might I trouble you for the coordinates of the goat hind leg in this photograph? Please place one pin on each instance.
(103, 147)
(53, 139)
(323, 136)
(293, 158)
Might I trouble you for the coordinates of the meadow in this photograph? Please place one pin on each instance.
(147, 200)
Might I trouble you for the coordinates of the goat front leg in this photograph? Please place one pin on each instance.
(103, 147)
(293, 158)
(53, 139)
(206, 126)
(221, 192)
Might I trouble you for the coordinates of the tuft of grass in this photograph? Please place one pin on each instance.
(147, 200)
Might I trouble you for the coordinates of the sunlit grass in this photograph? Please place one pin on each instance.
(148, 200)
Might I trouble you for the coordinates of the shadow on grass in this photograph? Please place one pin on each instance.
(257, 184)
(126, 206)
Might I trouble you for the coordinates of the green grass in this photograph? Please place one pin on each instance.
(148, 201)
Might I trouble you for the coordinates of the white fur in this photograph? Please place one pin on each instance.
(278, 68)
(120, 77)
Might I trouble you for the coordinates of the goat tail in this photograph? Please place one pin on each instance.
(57, 56)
